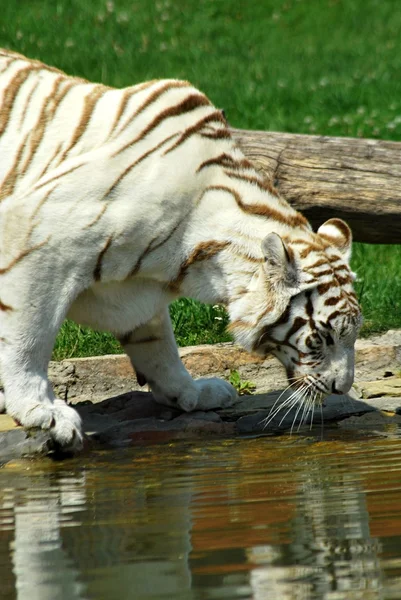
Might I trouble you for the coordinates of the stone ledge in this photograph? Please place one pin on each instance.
(135, 417)
(128, 417)
(95, 378)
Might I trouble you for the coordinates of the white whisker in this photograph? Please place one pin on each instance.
(313, 409)
(277, 400)
(296, 401)
(305, 411)
(295, 417)
(287, 402)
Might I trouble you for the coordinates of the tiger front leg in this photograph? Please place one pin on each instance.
(154, 356)
(31, 311)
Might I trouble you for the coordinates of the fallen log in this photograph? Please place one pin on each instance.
(358, 180)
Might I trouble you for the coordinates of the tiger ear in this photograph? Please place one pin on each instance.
(339, 234)
(280, 265)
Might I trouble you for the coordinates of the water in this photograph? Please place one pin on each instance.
(265, 518)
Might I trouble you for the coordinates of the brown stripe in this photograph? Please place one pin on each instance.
(264, 185)
(309, 307)
(155, 95)
(214, 117)
(53, 103)
(343, 280)
(299, 241)
(128, 93)
(49, 162)
(26, 105)
(262, 210)
(35, 213)
(41, 203)
(322, 288)
(265, 312)
(284, 318)
(334, 315)
(334, 258)
(7, 62)
(88, 109)
(190, 103)
(138, 263)
(311, 341)
(8, 184)
(315, 265)
(203, 251)
(297, 324)
(40, 125)
(54, 100)
(58, 176)
(319, 274)
(61, 94)
(332, 300)
(223, 160)
(126, 96)
(98, 216)
(311, 247)
(10, 94)
(135, 163)
(5, 307)
(23, 255)
(218, 134)
(97, 273)
(151, 248)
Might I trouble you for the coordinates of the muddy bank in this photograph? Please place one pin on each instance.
(116, 413)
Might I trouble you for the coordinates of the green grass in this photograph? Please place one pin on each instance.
(308, 66)
(193, 324)
(378, 286)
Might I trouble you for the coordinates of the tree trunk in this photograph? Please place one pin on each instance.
(358, 180)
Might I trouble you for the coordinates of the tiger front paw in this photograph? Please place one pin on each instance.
(215, 393)
(207, 394)
(60, 420)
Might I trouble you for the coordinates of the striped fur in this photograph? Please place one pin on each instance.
(115, 202)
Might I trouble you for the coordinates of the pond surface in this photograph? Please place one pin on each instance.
(265, 518)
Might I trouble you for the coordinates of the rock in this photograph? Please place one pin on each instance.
(200, 415)
(152, 429)
(206, 359)
(376, 421)
(385, 387)
(335, 408)
(16, 443)
(376, 355)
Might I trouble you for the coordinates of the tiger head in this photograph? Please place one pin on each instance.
(301, 307)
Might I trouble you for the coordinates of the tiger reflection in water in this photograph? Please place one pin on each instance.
(69, 535)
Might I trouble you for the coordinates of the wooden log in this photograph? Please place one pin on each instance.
(358, 180)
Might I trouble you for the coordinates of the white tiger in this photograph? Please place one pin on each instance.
(115, 202)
